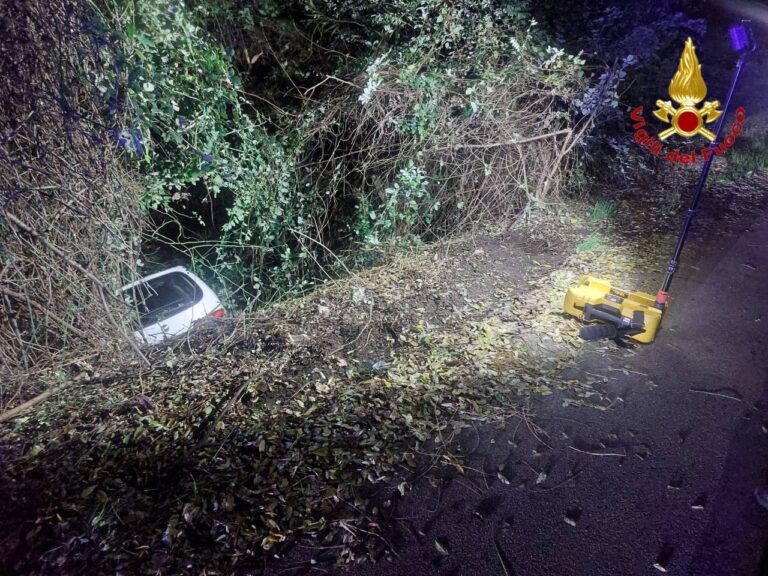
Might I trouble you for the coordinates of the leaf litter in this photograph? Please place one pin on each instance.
(304, 423)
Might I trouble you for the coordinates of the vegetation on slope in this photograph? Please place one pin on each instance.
(275, 146)
(138, 118)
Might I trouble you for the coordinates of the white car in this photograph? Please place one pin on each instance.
(168, 302)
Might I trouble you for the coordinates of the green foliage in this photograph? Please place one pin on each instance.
(455, 78)
(372, 90)
(257, 196)
(179, 96)
(423, 122)
(592, 242)
(602, 210)
(201, 148)
(428, 24)
(746, 157)
(407, 208)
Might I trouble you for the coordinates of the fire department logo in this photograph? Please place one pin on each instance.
(687, 88)
(688, 119)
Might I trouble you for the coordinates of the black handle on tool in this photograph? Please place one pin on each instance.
(592, 312)
(745, 44)
(615, 323)
(598, 331)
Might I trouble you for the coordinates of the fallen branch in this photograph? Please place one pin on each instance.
(121, 329)
(718, 394)
(45, 311)
(615, 454)
(100, 287)
(500, 144)
(14, 412)
(60, 253)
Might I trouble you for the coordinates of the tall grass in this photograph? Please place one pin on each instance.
(602, 210)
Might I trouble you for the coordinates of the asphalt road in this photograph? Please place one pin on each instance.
(657, 476)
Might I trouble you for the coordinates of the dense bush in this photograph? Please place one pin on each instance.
(69, 219)
(269, 134)
(429, 144)
(210, 166)
(415, 135)
(460, 115)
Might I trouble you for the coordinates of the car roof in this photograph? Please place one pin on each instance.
(155, 275)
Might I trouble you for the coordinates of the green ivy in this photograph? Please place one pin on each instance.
(407, 208)
(197, 141)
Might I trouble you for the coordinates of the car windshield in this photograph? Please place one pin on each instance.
(162, 297)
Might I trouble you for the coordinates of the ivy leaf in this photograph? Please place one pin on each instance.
(87, 491)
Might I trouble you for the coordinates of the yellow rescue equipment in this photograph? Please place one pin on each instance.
(620, 313)
(616, 313)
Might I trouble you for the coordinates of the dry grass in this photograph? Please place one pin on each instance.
(69, 218)
(490, 157)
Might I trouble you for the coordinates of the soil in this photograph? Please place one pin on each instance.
(619, 459)
(655, 474)
(644, 460)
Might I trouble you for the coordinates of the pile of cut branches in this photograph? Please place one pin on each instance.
(416, 148)
(69, 218)
(215, 457)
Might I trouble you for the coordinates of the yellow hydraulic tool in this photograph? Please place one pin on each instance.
(632, 314)
(638, 315)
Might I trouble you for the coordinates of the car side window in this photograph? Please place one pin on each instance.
(160, 298)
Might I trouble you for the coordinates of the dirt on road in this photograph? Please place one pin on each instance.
(438, 415)
(652, 473)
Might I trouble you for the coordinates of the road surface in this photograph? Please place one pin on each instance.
(657, 477)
